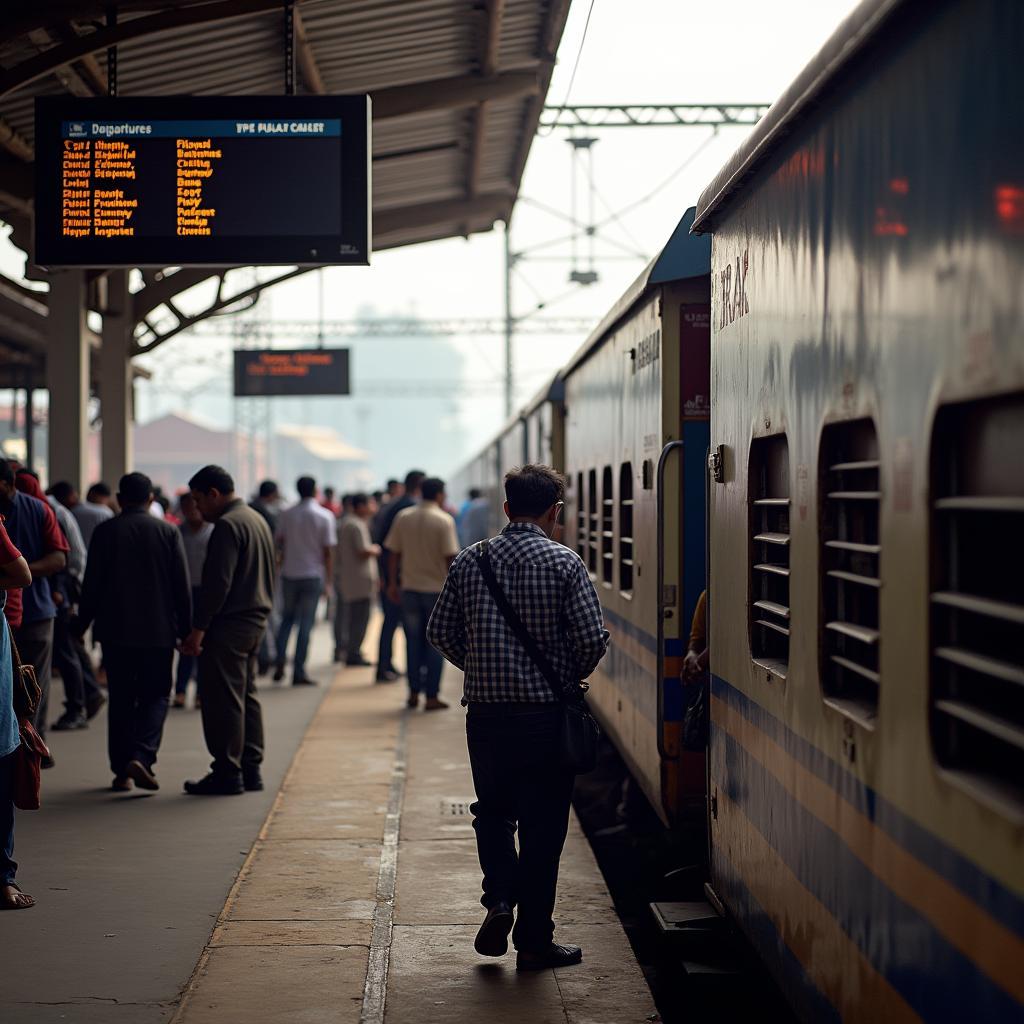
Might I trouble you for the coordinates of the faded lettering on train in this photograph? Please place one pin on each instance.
(735, 300)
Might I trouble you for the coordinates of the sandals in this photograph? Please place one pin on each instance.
(16, 900)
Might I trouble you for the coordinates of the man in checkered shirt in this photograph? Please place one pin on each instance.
(513, 720)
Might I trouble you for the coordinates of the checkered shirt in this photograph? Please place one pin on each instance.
(549, 587)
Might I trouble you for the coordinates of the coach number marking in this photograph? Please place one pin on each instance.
(734, 291)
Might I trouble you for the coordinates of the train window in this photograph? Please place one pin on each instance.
(626, 529)
(593, 526)
(977, 598)
(768, 492)
(581, 519)
(607, 527)
(850, 581)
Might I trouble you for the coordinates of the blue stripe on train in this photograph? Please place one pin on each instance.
(993, 897)
(808, 1000)
(938, 981)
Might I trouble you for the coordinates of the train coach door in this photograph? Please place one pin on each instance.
(695, 407)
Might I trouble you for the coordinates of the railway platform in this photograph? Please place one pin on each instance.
(347, 892)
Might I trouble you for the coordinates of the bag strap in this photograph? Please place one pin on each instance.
(515, 623)
(16, 662)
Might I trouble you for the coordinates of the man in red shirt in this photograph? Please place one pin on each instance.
(35, 533)
(14, 574)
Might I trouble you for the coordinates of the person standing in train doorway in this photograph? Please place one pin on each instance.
(513, 722)
(227, 625)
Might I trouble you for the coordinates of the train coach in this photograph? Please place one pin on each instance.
(866, 521)
(627, 422)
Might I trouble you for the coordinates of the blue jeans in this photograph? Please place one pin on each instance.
(425, 663)
(8, 867)
(186, 664)
(300, 601)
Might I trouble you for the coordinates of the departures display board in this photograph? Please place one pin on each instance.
(262, 373)
(202, 181)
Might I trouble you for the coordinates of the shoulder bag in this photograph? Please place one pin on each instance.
(580, 732)
(27, 691)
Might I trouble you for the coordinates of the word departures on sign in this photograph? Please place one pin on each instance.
(261, 373)
(202, 181)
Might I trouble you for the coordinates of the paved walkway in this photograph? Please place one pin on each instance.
(359, 901)
(346, 893)
(129, 886)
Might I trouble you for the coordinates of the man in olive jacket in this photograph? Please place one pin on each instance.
(228, 623)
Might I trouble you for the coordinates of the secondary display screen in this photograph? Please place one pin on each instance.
(260, 373)
(209, 181)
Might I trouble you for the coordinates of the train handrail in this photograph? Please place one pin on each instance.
(666, 452)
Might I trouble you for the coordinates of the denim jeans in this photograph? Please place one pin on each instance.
(8, 867)
(520, 784)
(425, 663)
(186, 663)
(300, 600)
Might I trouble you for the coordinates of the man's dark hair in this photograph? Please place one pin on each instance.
(212, 478)
(61, 490)
(392, 483)
(268, 489)
(359, 499)
(25, 471)
(377, 495)
(431, 488)
(532, 489)
(98, 490)
(6, 472)
(134, 488)
(474, 493)
(413, 479)
(328, 493)
(306, 486)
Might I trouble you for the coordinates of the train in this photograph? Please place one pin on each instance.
(812, 402)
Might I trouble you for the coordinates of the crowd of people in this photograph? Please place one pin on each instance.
(209, 588)
(220, 585)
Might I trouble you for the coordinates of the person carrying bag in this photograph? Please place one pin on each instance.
(520, 616)
(580, 732)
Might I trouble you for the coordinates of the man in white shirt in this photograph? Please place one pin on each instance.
(421, 544)
(306, 536)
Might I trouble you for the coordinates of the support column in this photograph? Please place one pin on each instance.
(67, 377)
(116, 405)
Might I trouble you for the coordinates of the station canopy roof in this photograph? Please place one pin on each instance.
(457, 89)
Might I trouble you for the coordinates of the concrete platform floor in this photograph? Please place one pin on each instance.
(356, 898)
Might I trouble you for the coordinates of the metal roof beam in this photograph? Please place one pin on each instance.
(491, 38)
(15, 143)
(452, 93)
(49, 61)
(490, 205)
(308, 67)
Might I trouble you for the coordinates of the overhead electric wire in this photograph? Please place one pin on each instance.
(575, 68)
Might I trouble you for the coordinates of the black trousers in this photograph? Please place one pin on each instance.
(392, 620)
(357, 617)
(232, 716)
(35, 645)
(138, 688)
(71, 660)
(513, 752)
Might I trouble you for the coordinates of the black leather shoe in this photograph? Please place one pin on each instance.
(554, 956)
(279, 672)
(142, 776)
(492, 939)
(68, 723)
(304, 681)
(358, 663)
(93, 705)
(252, 781)
(387, 676)
(215, 785)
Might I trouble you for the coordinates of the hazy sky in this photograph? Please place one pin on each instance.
(635, 52)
